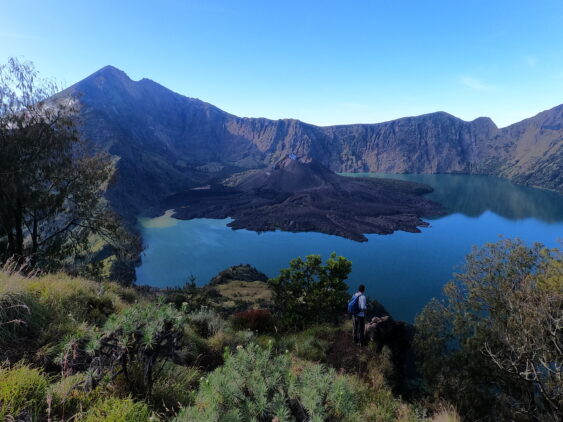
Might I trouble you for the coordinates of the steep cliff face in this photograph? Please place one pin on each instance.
(166, 142)
(534, 150)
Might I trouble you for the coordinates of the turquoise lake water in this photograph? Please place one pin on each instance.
(403, 270)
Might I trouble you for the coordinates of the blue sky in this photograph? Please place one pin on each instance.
(324, 62)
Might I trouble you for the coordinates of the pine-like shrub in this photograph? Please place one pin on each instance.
(256, 385)
(22, 392)
(251, 385)
(142, 335)
(326, 396)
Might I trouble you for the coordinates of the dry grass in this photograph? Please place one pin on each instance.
(446, 414)
(245, 291)
(60, 287)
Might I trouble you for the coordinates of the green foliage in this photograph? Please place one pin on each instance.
(206, 322)
(118, 410)
(256, 385)
(22, 392)
(494, 344)
(21, 319)
(37, 312)
(324, 395)
(141, 334)
(175, 387)
(309, 292)
(69, 397)
(229, 339)
(311, 344)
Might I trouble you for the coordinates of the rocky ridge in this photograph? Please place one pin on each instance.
(166, 142)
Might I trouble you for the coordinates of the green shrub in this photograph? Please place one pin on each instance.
(143, 335)
(175, 387)
(255, 385)
(22, 392)
(118, 410)
(492, 346)
(36, 312)
(327, 396)
(206, 322)
(230, 339)
(311, 344)
(21, 321)
(69, 397)
(309, 292)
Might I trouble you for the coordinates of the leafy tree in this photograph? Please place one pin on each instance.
(52, 187)
(309, 292)
(496, 340)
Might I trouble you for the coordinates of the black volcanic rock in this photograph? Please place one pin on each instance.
(167, 142)
(296, 196)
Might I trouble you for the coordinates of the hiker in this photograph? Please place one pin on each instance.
(357, 307)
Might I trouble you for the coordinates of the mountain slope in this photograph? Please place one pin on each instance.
(167, 142)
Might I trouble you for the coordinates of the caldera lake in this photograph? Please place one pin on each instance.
(403, 270)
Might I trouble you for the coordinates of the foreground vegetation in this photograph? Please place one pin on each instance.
(75, 349)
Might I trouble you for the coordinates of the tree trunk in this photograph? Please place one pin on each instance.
(34, 238)
(18, 225)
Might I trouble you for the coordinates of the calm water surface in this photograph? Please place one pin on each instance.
(403, 270)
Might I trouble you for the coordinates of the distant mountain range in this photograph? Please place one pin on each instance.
(166, 142)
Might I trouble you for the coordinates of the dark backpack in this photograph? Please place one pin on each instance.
(354, 305)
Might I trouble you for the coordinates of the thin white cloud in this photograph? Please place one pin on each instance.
(474, 83)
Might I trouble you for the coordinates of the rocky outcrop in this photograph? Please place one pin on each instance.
(165, 142)
(242, 272)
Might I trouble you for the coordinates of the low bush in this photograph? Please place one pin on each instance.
(260, 320)
(36, 312)
(69, 398)
(143, 335)
(21, 320)
(255, 384)
(175, 387)
(22, 392)
(311, 344)
(118, 410)
(324, 395)
(229, 339)
(206, 322)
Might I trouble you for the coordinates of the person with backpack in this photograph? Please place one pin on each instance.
(357, 307)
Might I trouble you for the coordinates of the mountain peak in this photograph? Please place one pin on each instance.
(109, 73)
(110, 70)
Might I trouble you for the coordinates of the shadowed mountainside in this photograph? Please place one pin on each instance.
(166, 142)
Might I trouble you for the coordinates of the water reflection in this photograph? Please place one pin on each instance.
(473, 195)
